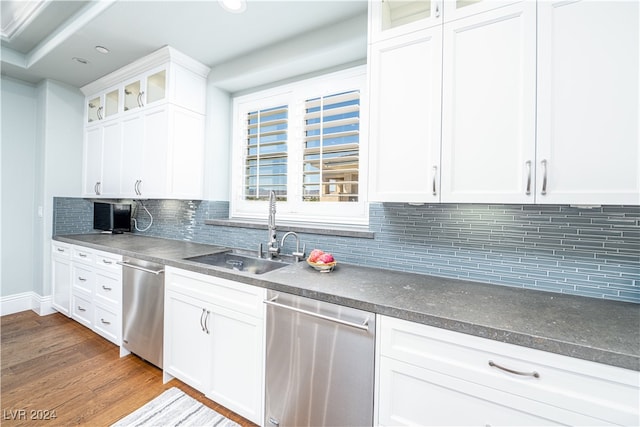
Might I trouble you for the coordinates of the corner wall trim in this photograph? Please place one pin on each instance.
(26, 301)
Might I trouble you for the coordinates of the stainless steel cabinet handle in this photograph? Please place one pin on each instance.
(435, 173)
(99, 112)
(60, 249)
(105, 322)
(140, 103)
(528, 190)
(201, 321)
(137, 267)
(364, 325)
(82, 309)
(544, 177)
(106, 288)
(437, 10)
(81, 255)
(206, 321)
(96, 188)
(82, 279)
(106, 261)
(511, 371)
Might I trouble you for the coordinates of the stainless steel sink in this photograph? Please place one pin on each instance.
(240, 262)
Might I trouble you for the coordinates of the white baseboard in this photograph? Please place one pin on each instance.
(26, 301)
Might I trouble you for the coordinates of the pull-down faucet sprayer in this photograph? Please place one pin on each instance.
(272, 248)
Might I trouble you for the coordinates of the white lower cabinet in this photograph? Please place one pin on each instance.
(214, 339)
(61, 277)
(87, 286)
(430, 376)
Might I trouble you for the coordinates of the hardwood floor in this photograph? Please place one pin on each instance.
(53, 365)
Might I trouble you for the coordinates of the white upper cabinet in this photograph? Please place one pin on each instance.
(539, 102)
(153, 143)
(488, 106)
(405, 79)
(588, 103)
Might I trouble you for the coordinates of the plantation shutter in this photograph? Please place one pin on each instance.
(266, 153)
(331, 148)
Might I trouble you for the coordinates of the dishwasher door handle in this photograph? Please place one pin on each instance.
(364, 325)
(137, 267)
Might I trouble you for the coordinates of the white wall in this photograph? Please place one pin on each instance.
(41, 158)
(18, 118)
(60, 172)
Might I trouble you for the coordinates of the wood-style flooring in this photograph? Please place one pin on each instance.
(52, 365)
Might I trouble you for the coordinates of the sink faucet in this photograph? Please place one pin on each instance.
(297, 254)
(272, 248)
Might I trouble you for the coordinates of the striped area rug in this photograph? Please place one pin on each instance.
(175, 408)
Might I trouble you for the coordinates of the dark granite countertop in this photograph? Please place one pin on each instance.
(587, 328)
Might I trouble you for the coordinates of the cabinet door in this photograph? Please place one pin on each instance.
(187, 342)
(456, 9)
(391, 18)
(236, 363)
(588, 103)
(92, 162)
(405, 118)
(410, 395)
(61, 283)
(111, 158)
(154, 158)
(132, 155)
(488, 106)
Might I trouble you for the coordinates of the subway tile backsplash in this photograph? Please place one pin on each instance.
(591, 252)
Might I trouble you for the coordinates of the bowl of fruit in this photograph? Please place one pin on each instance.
(321, 261)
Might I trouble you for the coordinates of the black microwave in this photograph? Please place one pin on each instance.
(114, 217)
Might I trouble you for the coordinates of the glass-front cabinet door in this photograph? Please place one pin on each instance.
(156, 86)
(390, 18)
(133, 94)
(94, 109)
(456, 9)
(111, 103)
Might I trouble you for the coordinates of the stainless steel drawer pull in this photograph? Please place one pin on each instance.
(364, 325)
(106, 261)
(81, 309)
(137, 267)
(81, 255)
(201, 321)
(511, 371)
(82, 279)
(543, 191)
(106, 288)
(60, 249)
(105, 322)
(528, 190)
(434, 189)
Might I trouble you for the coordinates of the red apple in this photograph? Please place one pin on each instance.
(314, 255)
(326, 258)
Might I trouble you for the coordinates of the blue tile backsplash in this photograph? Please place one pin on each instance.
(590, 252)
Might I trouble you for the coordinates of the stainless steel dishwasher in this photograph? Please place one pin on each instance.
(143, 309)
(319, 363)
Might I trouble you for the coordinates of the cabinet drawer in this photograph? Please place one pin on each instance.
(108, 261)
(107, 324)
(82, 310)
(601, 391)
(226, 293)
(83, 278)
(108, 289)
(61, 250)
(84, 255)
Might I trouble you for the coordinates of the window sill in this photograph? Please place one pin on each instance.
(298, 227)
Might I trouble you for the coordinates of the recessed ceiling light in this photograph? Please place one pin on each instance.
(233, 6)
(80, 60)
(102, 49)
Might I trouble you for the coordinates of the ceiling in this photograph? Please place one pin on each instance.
(41, 38)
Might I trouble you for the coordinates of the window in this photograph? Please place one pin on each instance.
(306, 142)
